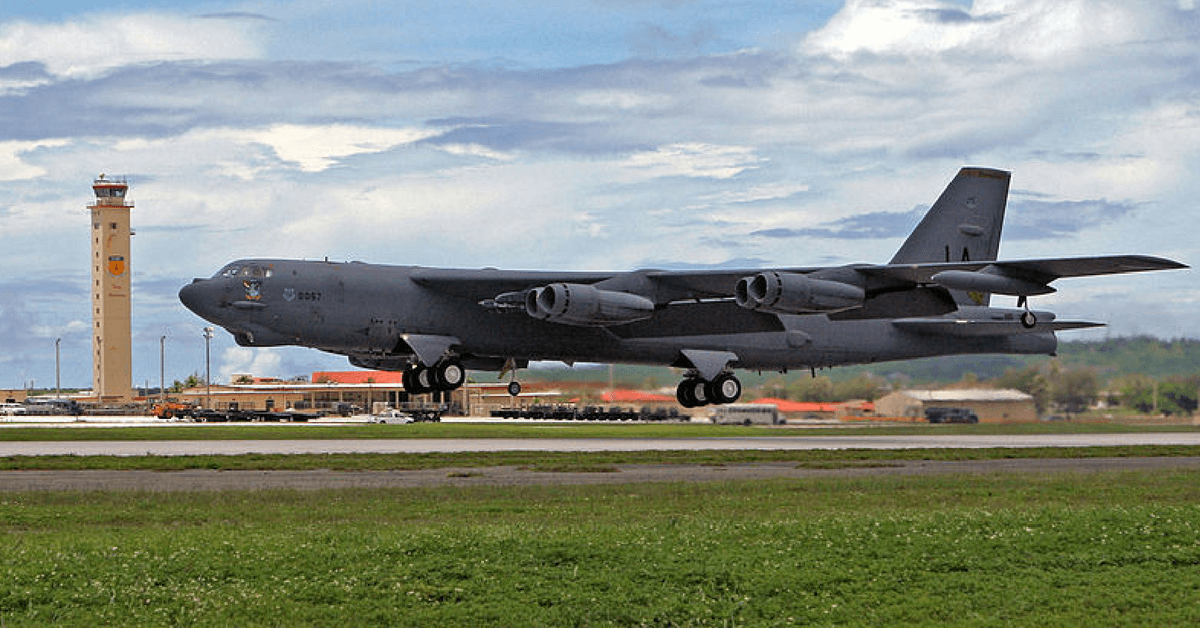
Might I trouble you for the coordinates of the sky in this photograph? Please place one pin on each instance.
(578, 135)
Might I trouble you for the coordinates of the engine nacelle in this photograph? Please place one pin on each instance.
(586, 306)
(793, 293)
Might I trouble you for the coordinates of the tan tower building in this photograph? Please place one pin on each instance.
(112, 363)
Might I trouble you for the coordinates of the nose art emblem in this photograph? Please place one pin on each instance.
(289, 294)
(253, 289)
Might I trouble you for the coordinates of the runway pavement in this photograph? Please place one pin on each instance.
(445, 445)
(191, 480)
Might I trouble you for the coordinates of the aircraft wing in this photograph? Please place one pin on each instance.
(505, 289)
(1042, 271)
(486, 283)
(662, 285)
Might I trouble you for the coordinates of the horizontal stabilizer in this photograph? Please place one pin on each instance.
(973, 327)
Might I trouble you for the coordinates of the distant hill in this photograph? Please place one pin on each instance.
(1111, 358)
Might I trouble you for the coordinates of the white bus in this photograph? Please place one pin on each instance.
(747, 414)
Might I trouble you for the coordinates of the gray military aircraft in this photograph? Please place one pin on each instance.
(931, 299)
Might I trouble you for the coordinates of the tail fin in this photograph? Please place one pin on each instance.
(963, 225)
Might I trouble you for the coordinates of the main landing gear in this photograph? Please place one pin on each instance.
(695, 391)
(444, 376)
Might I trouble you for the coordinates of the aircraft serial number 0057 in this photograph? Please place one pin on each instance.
(932, 298)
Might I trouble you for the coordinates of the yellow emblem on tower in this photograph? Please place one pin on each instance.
(116, 265)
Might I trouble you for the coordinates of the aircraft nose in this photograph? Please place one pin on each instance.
(196, 296)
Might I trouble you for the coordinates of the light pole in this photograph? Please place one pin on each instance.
(208, 335)
(162, 367)
(57, 379)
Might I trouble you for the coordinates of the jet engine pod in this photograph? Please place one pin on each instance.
(586, 306)
(793, 293)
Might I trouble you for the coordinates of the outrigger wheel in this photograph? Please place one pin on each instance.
(1028, 319)
(514, 388)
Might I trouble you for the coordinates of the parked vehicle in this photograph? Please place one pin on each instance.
(951, 415)
(747, 414)
(12, 409)
(392, 416)
(52, 406)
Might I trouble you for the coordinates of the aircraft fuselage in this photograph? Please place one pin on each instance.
(366, 311)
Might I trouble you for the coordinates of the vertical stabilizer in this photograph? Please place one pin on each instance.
(963, 225)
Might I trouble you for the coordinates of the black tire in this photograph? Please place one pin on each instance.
(699, 392)
(1028, 320)
(450, 375)
(724, 389)
(514, 389)
(683, 394)
(416, 380)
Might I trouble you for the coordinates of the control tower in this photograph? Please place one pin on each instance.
(112, 363)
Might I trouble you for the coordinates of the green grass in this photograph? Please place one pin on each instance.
(1099, 549)
(561, 430)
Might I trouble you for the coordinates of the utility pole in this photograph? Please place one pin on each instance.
(57, 371)
(208, 336)
(162, 367)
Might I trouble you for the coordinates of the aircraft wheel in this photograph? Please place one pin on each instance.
(416, 380)
(514, 388)
(683, 394)
(724, 389)
(1028, 320)
(450, 375)
(697, 391)
(406, 379)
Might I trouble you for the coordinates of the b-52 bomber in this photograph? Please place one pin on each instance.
(932, 298)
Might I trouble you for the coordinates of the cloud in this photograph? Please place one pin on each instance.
(857, 227)
(315, 148)
(92, 44)
(695, 160)
(1040, 220)
(12, 165)
(1030, 29)
(243, 360)
(698, 141)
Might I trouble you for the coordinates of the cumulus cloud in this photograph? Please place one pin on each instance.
(89, 45)
(242, 361)
(13, 166)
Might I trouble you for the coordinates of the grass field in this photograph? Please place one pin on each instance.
(1105, 549)
(1110, 549)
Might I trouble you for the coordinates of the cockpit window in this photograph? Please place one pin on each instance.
(245, 270)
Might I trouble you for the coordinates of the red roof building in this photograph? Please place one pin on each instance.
(634, 396)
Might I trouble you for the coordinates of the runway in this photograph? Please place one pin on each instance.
(452, 445)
